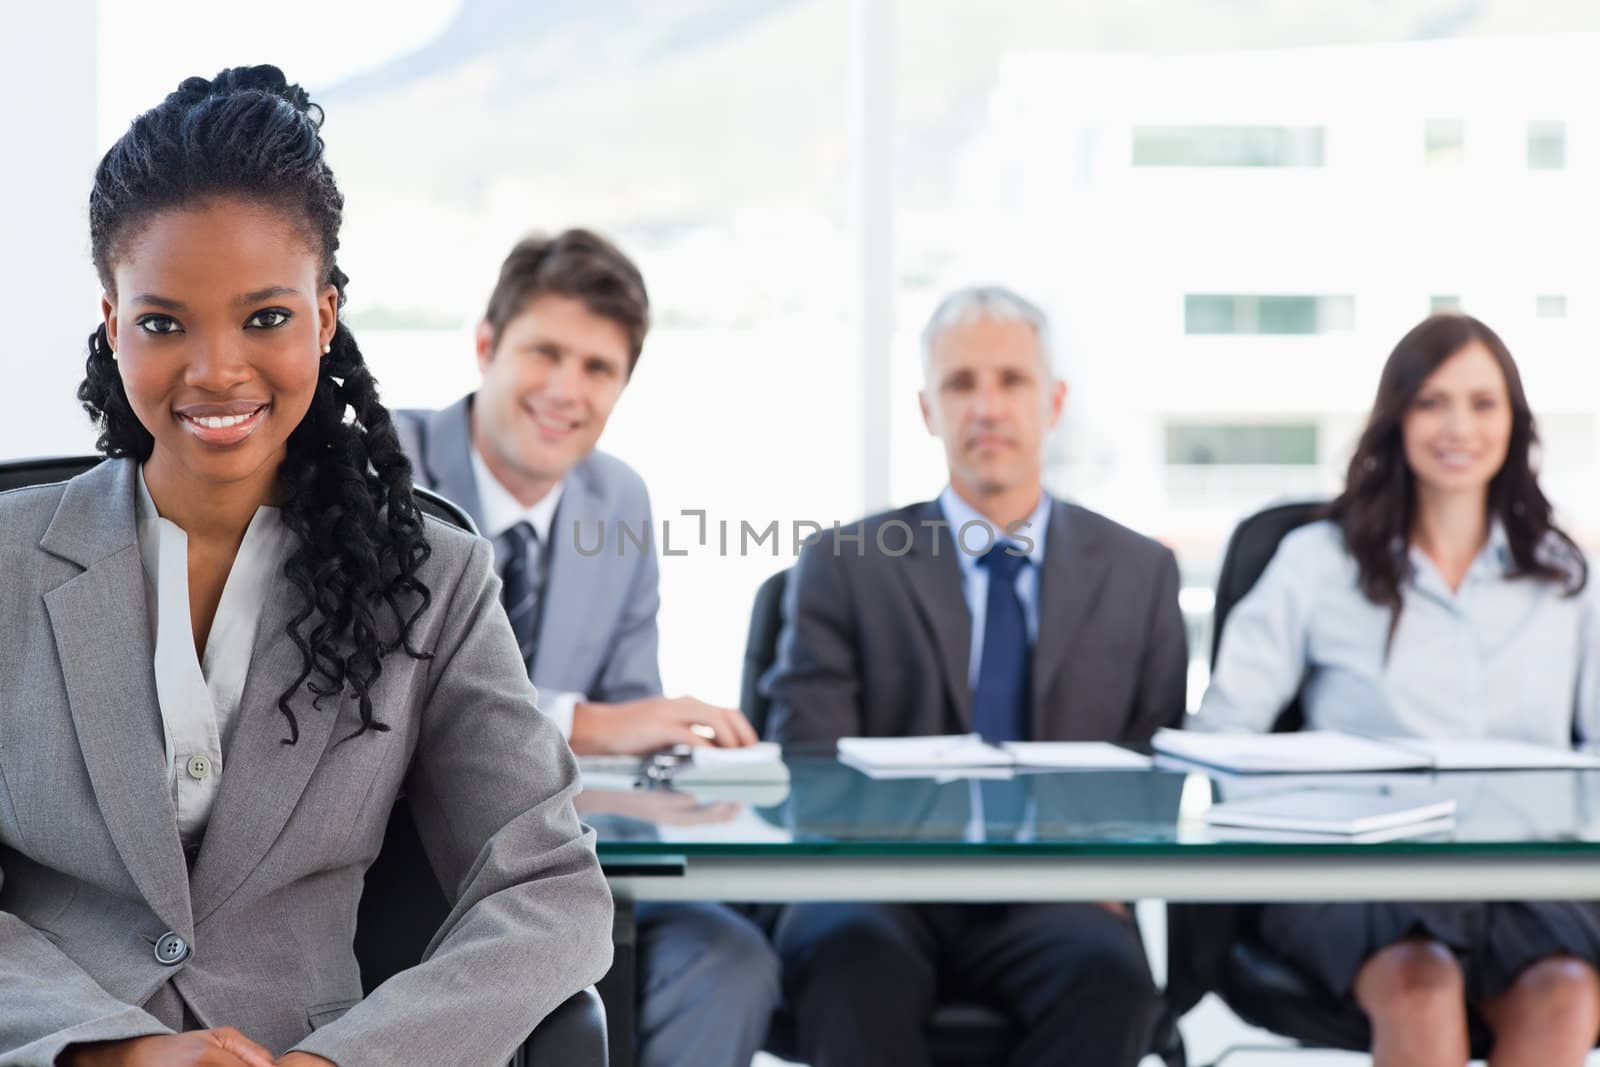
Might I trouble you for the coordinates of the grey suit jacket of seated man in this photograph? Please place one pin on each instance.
(875, 641)
(94, 873)
(599, 632)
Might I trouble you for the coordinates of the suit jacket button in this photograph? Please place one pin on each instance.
(171, 949)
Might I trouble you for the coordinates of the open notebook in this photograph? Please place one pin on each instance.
(970, 754)
(1328, 751)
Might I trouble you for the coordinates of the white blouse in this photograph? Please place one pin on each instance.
(1498, 657)
(200, 697)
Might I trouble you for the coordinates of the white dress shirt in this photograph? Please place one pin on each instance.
(200, 697)
(1498, 657)
(501, 511)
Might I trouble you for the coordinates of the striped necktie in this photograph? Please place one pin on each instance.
(520, 585)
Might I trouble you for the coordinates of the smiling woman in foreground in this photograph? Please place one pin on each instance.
(230, 646)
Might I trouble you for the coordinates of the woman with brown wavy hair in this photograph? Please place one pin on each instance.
(1436, 598)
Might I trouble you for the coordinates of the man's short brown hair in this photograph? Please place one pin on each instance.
(579, 264)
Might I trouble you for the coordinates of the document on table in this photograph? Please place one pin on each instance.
(1329, 751)
(1491, 754)
(1304, 752)
(1333, 812)
(1076, 755)
(969, 754)
(941, 752)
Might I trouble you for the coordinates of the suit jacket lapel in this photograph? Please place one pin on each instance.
(449, 457)
(933, 575)
(102, 635)
(575, 578)
(1069, 582)
(262, 777)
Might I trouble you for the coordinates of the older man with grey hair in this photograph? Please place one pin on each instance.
(1000, 610)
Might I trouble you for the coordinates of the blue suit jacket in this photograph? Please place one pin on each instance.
(598, 632)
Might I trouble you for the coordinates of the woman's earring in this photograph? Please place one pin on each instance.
(327, 349)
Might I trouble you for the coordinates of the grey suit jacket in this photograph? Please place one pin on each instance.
(598, 631)
(93, 871)
(877, 644)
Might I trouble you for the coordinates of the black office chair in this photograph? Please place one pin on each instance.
(402, 905)
(1218, 946)
(960, 1032)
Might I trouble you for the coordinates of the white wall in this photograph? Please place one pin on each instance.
(47, 78)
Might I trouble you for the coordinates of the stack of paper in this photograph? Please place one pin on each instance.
(1331, 815)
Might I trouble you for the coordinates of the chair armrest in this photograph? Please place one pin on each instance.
(574, 1035)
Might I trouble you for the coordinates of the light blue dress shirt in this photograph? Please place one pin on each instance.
(1499, 657)
(971, 547)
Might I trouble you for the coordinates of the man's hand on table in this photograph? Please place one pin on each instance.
(640, 727)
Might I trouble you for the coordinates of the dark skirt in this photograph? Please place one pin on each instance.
(1493, 942)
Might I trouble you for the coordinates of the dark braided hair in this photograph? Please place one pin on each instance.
(344, 484)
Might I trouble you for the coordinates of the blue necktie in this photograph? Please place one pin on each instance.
(1000, 699)
(520, 585)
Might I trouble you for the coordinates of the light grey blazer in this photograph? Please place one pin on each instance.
(598, 634)
(94, 874)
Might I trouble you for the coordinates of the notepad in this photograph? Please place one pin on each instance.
(1330, 811)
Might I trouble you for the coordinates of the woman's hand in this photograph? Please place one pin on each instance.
(222, 1047)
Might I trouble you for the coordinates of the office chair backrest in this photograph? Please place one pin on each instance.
(23, 472)
(761, 649)
(1250, 548)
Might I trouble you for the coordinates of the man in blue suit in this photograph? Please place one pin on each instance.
(557, 345)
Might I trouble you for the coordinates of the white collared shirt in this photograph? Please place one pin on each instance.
(501, 511)
(1497, 657)
(975, 535)
(199, 696)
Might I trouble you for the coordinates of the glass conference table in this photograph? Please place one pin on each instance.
(833, 833)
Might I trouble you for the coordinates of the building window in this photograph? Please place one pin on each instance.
(1550, 305)
(1441, 303)
(1253, 313)
(1242, 445)
(1547, 145)
(1444, 142)
(1228, 146)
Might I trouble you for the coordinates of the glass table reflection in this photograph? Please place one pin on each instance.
(834, 833)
